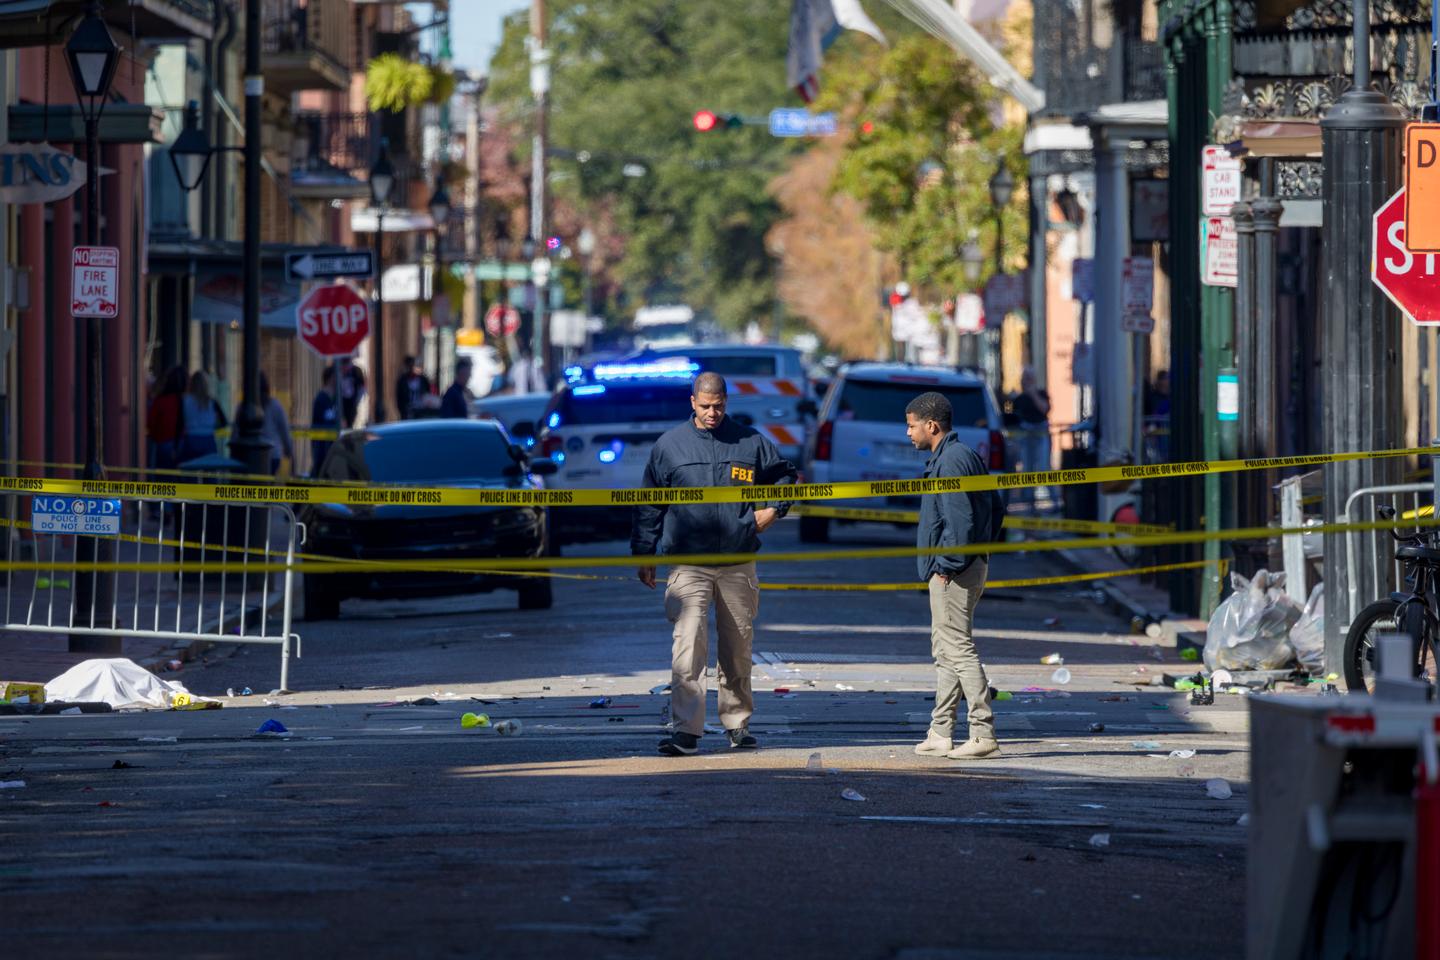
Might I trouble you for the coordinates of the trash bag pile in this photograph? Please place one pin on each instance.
(1258, 627)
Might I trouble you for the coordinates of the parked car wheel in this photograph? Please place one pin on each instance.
(320, 603)
(536, 594)
(814, 529)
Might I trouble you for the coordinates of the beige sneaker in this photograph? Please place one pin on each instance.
(934, 745)
(975, 750)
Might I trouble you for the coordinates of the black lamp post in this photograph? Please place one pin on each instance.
(382, 181)
(1002, 188)
(93, 56)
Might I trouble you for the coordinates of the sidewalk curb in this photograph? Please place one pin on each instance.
(187, 651)
(1180, 631)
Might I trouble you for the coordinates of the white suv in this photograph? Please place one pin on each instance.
(861, 430)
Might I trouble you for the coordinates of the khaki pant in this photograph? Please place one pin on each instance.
(957, 664)
(689, 594)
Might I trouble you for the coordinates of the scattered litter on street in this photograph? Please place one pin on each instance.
(660, 688)
(1100, 840)
(272, 728)
(814, 764)
(1093, 806)
(1190, 654)
(1185, 770)
(999, 695)
(71, 712)
(1244, 820)
(1061, 676)
(1052, 621)
(1145, 744)
(1181, 754)
(849, 794)
(157, 740)
(508, 728)
(843, 686)
(120, 765)
(1218, 789)
(1097, 728)
(1053, 659)
(469, 720)
(600, 703)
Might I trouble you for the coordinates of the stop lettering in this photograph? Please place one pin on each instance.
(333, 320)
(1411, 280)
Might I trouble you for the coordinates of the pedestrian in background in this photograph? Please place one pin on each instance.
(955, 581)
(275, 428)
(323, 416)
(456, 402)
(201, 418)
(412, 390)
(164, 421)
(1031, 409)
(352, 391)
(709, 450)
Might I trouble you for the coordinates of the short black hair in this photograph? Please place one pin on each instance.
(708, 382)
(464, 363)
(932, 406)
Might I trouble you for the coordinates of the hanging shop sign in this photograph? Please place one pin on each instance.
(38, 173)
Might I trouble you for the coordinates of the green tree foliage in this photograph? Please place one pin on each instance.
(926, 135)
(627, 77)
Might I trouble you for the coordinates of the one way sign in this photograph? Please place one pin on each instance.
(329, 266)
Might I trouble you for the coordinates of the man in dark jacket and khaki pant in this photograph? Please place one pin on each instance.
(709, 450)
(955, 582)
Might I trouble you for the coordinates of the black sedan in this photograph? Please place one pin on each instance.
(440, 453)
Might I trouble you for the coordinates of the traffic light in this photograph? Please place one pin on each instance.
(707, 120)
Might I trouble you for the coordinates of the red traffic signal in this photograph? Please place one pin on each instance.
(706, 120)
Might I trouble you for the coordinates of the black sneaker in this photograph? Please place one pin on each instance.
(680, 744)
(741, 739)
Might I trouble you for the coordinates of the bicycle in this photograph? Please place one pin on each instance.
(1413, 613)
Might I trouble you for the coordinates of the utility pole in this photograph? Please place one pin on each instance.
(539, 168)
(246, 446)
(1360, 328)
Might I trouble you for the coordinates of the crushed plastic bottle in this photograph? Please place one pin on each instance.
(1061, 676)
(1052, 660)
(471, 720)
(1100, 840)
(849, 794)
(1218, 789)
(508, 728)
(1181, 754)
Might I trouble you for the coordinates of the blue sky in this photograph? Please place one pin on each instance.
(475, 29)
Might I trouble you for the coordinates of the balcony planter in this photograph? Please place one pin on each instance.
(394, 83)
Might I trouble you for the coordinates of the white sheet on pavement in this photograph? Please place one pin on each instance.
(118, 682)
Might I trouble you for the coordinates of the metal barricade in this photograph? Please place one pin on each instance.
(1384, 571)
(233, 605)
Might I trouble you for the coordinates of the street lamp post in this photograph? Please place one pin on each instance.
(382, 181)
(1002, 187)
(439, 214)
(973, 260)
(93, 56)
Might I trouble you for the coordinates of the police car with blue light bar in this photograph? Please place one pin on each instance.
(599, 429)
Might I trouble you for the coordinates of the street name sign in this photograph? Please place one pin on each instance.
(1422, 187)
(1219, 181)
(1409, 279)
(1219, 252)
(75, 515)
(333, 320)
(1082, 279)
(95, 282)
(795, 122)
(329, 266)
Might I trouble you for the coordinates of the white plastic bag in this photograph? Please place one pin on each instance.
(1249, 630)
(1307, 637)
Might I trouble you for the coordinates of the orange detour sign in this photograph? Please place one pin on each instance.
(1422, 187)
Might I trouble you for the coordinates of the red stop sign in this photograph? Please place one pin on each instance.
(333, 320)
(1411, 280)
(502, 321)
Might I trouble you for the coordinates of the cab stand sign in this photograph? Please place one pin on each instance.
(75, 515)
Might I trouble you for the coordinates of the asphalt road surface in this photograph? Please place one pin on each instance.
(379, 827)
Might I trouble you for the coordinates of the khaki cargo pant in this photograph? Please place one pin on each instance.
(689, 593)
(957, 663)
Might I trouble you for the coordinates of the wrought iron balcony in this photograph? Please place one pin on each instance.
(33, 23)
(1085, 57)
(306, 45)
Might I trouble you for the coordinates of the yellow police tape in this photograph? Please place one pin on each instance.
(1001, 584)
(1056, 524)
(454, 496)
(504, 564)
